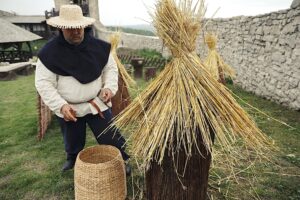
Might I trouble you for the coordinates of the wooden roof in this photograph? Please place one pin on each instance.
(11, 33)
(25, 19)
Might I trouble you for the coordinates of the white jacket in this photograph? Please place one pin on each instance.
(56, 90)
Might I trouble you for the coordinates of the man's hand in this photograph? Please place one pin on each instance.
(105, 95)
(68, 113)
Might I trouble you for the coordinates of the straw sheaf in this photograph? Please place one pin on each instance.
(185, 102)
(70, 17)
(178, 26)
(211, 41)
(214, 63)
(114, 40)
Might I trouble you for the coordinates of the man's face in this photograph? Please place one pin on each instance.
(73, 36)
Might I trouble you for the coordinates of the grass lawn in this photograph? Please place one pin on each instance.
(30, 169)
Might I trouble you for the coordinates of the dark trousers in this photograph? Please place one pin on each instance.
(74, 134)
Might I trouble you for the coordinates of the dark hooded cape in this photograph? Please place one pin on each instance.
(84, 62)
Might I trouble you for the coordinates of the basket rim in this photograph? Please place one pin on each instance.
(101, 163)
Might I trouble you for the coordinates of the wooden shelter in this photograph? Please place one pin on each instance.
(15, 43)
(33, 23)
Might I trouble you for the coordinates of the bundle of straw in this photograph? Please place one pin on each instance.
(184, 98)
(122, 98)
(114, 40)
(215, 64)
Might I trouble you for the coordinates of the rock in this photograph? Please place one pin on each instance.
(295, 4)
(267, 30)
(296, 51)
(292, 94)
(289, 28)
(289, 40)
(259, 31)
(291, 13)
(243, 19)
(256, 20)
(269, 38)
(276, 22)
(293, 83)
(278, 57)
(269, 47)
(261, 58)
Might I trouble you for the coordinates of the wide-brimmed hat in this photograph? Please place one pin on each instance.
(70, 16)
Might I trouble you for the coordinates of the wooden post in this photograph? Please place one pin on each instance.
(137, 64)
(122, 98)
(162, 182)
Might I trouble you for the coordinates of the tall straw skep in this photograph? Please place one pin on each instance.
(184, 98)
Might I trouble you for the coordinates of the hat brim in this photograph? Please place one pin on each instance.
(68, 24)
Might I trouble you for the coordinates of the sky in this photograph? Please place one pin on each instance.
(130, 12)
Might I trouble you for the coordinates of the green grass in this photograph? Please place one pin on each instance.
(281, 178)
(30, 169)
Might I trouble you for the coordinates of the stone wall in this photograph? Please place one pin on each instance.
(264, 50)
(134, 41)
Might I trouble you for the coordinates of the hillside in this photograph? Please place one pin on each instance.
(142, 29)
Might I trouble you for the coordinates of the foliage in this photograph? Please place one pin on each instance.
(131, 30)
(37, 45)
(148, 53)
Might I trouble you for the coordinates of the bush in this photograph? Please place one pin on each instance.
(149, 53)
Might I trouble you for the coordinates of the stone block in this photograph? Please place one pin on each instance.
(295, 4)
(289, 40)
(255, 20)
(278, 57)
(268, 47)
(289, 29)
(259, 31)
(292, 94)
(261, 58)
(273, 16)
(296, 51)
(296, 20)
(276, 30)
(281, 16)
(291, 13)
(293, 82)
(276, 22)
(269, 38)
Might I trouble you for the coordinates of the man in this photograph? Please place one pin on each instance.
(76, 77)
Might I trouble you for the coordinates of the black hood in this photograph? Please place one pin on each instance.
(84, 62)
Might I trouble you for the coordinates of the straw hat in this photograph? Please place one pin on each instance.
(70, 16)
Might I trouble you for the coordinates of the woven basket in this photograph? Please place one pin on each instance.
(100, 174)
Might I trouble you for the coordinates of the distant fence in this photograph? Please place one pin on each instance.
(15, 56)
(147, 62)
(143, 67)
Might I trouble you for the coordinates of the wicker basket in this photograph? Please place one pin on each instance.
(100, 174)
